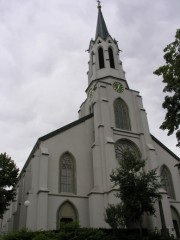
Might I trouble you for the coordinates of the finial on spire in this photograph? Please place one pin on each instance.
(99, 4)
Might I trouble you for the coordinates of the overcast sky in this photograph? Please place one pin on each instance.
(43, 62)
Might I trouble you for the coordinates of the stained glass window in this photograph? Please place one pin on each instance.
(121, 114)
(123, 145)
(67, 173)
(166, 181)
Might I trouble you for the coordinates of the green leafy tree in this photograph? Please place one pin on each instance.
(170, 73)
(8, 179)
(114, 216)
(137, 189)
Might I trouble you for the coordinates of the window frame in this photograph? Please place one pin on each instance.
(101, 57)
(75, 217)
(69, 184)
(121, 114)
(124, 144)
(111, 57)
(170, 187)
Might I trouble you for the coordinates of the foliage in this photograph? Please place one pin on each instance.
(156, 235)
(71, 226)
(8, 179)
(74, 231)
(19, 235)
(68, 233)
(45, 236)
(137, 189)
(114, 216)
(171, 77)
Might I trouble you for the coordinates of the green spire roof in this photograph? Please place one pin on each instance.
(101, 29)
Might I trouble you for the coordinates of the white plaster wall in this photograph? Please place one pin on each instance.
(78, 141)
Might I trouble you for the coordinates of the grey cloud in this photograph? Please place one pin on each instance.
(43, 62)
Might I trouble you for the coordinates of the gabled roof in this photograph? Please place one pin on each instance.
(66, 127)
(165, 148)
(52, 134)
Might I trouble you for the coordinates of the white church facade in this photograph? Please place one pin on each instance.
(67, 175)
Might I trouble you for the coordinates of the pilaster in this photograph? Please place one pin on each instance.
(42, 194)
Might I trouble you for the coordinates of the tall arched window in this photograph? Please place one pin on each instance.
(101, 57)
(121, 115)
(123, 145)
(66, 213)
(111, 57)
(166, 181)
(67, 173)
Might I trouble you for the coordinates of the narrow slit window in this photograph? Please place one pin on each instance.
(101, 58)
(111, 57)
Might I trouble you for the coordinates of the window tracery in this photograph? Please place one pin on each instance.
(67, 173)
(166, 181)
(123, 145)
(121, 112)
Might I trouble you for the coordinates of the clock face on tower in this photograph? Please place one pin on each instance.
(118, 87)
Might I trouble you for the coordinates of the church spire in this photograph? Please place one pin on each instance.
(103, 54)
(101, 29)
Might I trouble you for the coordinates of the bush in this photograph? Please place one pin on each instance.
(45, 235)
(41, 237)
(19, 235)
(73, 231)
(156, 235)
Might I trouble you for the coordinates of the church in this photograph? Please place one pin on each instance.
(67, 174)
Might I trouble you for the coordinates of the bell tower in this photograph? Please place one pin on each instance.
(104, 64)
(119, 119)
(104, 53)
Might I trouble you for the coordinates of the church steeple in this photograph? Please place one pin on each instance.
(101, 29)
(104, 53)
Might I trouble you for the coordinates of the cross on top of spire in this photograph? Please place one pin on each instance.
(101, 29)
(99, 4)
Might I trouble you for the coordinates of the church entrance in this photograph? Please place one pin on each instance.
(67, 213)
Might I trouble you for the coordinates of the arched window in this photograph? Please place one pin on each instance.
(123, 145)
(121, 115)
(67, 173)
(101, 57)
(111, 57)
(66, 213)
(166, 181)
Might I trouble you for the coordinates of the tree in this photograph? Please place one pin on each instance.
(137, 189)
(171, 77)
(8, 179)
(114, 216)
